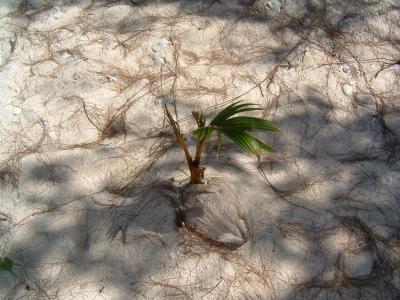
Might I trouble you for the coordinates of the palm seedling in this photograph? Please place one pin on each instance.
(226, 123)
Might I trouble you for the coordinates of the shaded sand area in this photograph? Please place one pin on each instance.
(86, 156)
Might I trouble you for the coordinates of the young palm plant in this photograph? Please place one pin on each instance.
(227, 123)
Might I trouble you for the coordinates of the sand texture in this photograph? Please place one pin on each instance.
(89, 168)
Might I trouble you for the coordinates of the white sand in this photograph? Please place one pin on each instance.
(323, 211)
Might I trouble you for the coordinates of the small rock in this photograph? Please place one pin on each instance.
(159, 102)
(345, 68)
(17, 110)
(55, 12)
(111, 78)
(160, 45)
(66, 55)
(275, 6)
(161, 51)
(288, 71)
(348, 89)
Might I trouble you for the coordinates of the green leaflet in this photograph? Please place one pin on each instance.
(6, 264)
(203, 133)
(231, 110)
(248, 124)
(247, 142)
(236, 128)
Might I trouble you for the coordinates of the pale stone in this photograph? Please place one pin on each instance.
(111, 78)
(348, 89)
(288, 71)
(56, 12)
(345, 68)
(17, 110)
(275, 6)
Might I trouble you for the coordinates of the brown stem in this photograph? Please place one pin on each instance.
(196, 174)
(182, 142)
(179, 136)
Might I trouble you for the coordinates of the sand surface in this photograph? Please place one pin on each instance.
(86, 154)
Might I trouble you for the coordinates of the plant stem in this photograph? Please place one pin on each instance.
(175, 127)
(196, 172)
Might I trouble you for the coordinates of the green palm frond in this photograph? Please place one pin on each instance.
(248, 124)
(247, 142)
(237, 128)
(204, 133)
(233, 109)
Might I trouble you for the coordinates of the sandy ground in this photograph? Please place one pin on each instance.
(85, 153)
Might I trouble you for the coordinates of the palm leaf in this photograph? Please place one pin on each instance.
(246, 142)
(248, 124)
(232, 110)
(203, 133)
(236, 128)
